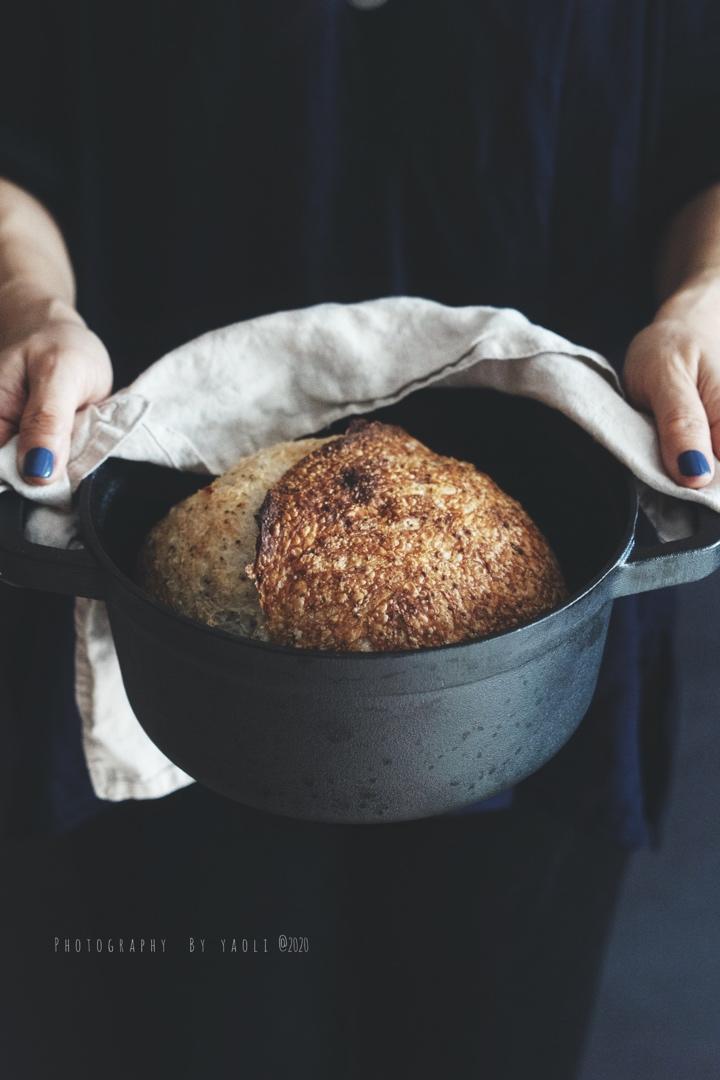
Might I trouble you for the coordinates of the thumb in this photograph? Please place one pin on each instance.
(683, 427)
(55, 392)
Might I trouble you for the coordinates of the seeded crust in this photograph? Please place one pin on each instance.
(194, 559)
(374, 542)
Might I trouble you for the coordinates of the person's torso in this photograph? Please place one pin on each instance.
(243, 159)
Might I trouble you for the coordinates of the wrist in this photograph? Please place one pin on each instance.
(697, 298)
(26, 306)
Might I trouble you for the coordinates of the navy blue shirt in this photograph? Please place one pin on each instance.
(217, 161)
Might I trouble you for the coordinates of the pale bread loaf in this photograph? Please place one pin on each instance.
(194, 560)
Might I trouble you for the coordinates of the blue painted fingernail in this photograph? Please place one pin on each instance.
(38, 463)
(693, 463)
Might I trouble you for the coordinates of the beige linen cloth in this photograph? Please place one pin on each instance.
(281, 376)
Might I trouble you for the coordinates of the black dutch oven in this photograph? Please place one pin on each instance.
(375, 737)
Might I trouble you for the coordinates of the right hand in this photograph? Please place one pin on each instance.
(51, 365)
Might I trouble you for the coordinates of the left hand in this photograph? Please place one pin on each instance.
(672, 369)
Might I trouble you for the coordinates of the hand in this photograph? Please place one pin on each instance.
(51, 365)
(672, 369)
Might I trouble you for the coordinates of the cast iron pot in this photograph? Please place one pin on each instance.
(375, 737)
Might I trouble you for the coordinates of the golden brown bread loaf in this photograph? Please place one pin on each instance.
(366, 541)
(374, 542)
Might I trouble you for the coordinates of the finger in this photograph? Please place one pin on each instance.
(55, 392)
(683, 427)
(7, 430)
(709, 387)
(12, 394)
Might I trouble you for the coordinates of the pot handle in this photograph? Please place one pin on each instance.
(73, 572)
(674, 563)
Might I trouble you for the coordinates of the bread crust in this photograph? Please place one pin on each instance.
(374, 542)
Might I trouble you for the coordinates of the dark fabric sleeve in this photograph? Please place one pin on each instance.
(684, 95)
(34, 145)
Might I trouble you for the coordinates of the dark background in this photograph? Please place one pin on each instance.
(658, 1012)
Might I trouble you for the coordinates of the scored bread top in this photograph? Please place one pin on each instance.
(374, 542)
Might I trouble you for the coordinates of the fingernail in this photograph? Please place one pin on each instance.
(39, 463)
(693, 463)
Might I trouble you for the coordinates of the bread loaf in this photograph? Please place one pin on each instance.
(195, 559)
(374, 542)
(366, 541)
